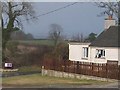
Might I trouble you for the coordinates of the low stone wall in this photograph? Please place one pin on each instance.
(72, 75)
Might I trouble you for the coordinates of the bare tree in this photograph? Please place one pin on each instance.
(55, 33)
(111, 8)
(78, 37)
(13, 11)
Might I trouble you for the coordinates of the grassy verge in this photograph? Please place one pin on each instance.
(38, 80)
(25, 70)
(29, 69)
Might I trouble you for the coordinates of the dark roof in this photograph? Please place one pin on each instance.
(108, 38)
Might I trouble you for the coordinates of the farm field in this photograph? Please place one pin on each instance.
(37, 80)
(38, 42)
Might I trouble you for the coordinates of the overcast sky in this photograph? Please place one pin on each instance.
(78, 18)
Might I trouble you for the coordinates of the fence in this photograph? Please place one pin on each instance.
(109, 70)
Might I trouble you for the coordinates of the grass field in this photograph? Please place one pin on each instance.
(38, 80)
(37, 42)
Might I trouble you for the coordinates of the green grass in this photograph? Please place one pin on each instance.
(38, 80)
(29, 69)
(23, 70)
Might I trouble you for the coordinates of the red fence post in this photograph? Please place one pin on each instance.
(98, 70)
(92, 68)
(74, 71)
(106, 70)
(77, 69)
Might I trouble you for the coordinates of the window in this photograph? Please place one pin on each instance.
(85, 52)
(100, 53)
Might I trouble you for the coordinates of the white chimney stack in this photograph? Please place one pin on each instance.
(109, 22)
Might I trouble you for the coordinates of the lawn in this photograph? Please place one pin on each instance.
(36, 80)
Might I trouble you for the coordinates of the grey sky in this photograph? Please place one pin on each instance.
(79, 18)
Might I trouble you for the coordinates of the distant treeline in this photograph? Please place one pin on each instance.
(20, 35)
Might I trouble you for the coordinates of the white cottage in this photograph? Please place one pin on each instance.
(104, 49)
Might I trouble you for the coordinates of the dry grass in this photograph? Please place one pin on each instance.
(38, 80)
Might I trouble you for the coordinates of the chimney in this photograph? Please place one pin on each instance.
(109, 22)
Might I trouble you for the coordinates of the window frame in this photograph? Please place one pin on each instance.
(85, 51)
(100, 53)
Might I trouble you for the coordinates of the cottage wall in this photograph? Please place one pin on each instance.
(111, 54)
(76, 54)
(119, 56)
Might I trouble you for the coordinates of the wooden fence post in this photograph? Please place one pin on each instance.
(107, 71)
(98, 70)
(77, 67)
(73, 71)
(92, 68)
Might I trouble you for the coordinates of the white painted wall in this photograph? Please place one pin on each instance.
(76, 53)
(110, 54)
(119, 56)
(109, 23)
